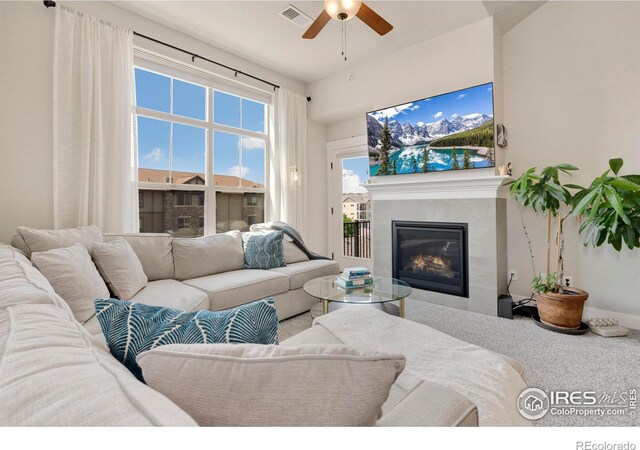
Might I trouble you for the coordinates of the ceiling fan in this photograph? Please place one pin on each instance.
(343, 10)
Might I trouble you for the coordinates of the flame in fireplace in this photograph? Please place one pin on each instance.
(433, 264)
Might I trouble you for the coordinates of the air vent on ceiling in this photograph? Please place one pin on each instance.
(297, 17)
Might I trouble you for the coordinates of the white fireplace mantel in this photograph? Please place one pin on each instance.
(439, 185)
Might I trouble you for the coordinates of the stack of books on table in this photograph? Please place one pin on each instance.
(354, 277)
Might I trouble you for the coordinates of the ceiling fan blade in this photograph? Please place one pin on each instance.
(317, 25)
(374, 20)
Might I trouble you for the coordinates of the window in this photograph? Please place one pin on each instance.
(183, 222)
(189, 122)
(183, 199)
(252, 200)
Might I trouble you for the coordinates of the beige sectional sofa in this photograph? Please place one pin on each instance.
(206, 273)
(55, 372)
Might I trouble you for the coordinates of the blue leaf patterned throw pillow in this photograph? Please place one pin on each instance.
(263, 251)
(132, 328)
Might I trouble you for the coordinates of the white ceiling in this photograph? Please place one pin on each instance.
(254, 29)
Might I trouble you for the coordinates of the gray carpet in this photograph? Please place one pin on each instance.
(551, 361)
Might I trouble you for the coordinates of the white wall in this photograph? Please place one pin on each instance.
(26, 50)
(571, 94)
(455, 60)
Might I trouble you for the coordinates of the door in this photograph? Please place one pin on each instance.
(351, 208)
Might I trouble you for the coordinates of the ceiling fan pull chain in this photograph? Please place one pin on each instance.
(345, 41)
(342, 37)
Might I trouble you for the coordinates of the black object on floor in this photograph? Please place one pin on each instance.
(525, 311)
(505, 306)
(580, 330)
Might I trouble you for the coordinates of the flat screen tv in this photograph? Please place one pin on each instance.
(451, 131)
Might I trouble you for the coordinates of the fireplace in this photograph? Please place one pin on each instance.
(432, 256)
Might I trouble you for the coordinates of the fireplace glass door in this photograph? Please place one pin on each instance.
(431, 256)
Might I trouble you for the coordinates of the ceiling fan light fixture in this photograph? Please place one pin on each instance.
(342, 9)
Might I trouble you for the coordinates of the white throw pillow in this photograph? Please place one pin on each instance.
(270, 385)
(43, 240)
(292, 253)
(74, 277)
(120, 267)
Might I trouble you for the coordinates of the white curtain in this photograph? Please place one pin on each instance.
(94, 157)
(287, 187)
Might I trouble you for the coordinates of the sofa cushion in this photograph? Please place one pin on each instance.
(208, 255)
(172, 294)
(263, 250)
(292, 253)
(21, 283)
(43, 240)
(164, 293)
(132, 328)
(270, 385)
(74, 277)
(53, 374)
(154, 253)
(301, 272)
(120, 268)
(480, 375)
(238, 287)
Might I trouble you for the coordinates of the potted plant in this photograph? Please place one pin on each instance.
(558, 305)
(610, 208)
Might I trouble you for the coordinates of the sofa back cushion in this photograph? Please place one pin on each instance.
(21, 283)
(43, 240)
(53, 374)
(153, 251)
(271, 385)
(292, 253)
(120, 268)
(208, 255)
(74, 277)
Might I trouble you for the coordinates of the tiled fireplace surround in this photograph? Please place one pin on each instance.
(474, 197)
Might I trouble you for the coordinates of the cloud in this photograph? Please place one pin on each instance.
(351, 182)
(437, 115)
(489, 89)
(237, 171)
(461, 96)
(392, 112)
(157, 154)
(251, 143)
(453, 116)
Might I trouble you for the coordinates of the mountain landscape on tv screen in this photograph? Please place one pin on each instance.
(448, 132)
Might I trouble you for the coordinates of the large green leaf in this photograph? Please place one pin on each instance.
(616, 164)
(616, 202)
(629, 237)
(627, 185)
(584, 203)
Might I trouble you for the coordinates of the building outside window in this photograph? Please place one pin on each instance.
(202, 150)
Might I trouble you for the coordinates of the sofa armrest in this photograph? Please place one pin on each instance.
(431, 405)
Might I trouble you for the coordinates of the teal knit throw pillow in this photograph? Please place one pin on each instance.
(263, 251)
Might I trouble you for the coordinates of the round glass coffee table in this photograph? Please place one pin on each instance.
(383, 290)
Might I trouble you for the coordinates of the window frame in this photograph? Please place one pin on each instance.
(168, 67)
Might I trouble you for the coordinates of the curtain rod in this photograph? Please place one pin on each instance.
(50, 4)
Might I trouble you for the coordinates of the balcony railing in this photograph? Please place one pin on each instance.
(356, 239)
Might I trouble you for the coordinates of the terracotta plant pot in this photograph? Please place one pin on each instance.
(562, 310)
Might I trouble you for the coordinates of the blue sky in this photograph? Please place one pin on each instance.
(355, 171)
(478, 99)
(153, 91)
